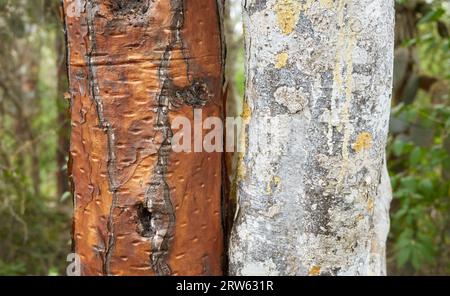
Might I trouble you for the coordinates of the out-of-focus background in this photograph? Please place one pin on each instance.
(35, 200)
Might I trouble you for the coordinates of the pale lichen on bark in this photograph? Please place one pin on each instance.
(318, 124)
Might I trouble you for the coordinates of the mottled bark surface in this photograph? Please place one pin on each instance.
(140, 208)
(319, 78)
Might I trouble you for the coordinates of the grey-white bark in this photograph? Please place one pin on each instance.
(313, 191)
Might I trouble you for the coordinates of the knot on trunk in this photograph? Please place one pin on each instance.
(129, 7)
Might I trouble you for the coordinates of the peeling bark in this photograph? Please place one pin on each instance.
(140, 208)
(318, 92)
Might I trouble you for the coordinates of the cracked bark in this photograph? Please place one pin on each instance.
(312, 190)
(141, 209)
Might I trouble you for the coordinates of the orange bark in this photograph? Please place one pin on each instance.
(140, 208)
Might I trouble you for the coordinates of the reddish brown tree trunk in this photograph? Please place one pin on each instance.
(140, 208)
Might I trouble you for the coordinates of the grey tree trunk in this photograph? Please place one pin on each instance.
(313, 191)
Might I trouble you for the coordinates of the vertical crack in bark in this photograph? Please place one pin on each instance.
(157, 198)
(109, 130)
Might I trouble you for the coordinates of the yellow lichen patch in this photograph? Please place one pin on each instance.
(246, 112)
(314, 271)
(343, 83)
(275, 181)
(370, 204)
(282, 59)
(288, 13)
(363, 142)
(327, 3)
(246, 115)
(240, 171)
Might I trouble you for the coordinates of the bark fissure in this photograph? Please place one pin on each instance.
(158, 198)
(108, 129)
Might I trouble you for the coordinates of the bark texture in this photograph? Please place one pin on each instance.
(313, 196)
(140, 208)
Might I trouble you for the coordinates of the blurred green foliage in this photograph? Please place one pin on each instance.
(419, 145)
(240, 74)
(34, 223)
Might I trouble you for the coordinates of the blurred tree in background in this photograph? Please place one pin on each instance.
(35, 205)
(419, 149)
(34, 212)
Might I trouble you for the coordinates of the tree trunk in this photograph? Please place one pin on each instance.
(318, 92)
(141, 208)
